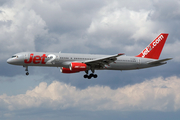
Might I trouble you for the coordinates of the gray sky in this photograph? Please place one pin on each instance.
(91, 26)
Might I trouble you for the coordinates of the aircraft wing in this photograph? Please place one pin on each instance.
(103, 61)
(160, 61)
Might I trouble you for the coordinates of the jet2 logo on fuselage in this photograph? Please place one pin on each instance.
(40, 59)
(36, 59)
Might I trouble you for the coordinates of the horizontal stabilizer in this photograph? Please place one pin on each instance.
(159, 61)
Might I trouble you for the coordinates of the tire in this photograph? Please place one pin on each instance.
(89, 77)
(85, 76)
(95, 76)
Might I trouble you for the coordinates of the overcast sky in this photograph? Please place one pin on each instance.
(96, 27)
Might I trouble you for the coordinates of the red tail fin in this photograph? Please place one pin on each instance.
(153, 50)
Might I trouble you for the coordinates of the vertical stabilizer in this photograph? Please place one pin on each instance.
(153, 50)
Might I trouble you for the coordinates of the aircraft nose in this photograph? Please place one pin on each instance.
(9, 61)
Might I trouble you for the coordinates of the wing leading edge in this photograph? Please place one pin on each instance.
(103, 61)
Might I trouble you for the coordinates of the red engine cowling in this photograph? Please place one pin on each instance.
(67, 70)
(78, 66)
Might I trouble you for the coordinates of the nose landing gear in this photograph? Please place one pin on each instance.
(27, 73)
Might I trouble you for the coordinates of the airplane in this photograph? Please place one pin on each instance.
(74, 63)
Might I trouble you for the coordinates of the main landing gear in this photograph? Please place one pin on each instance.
(27, 73)
(91, 75)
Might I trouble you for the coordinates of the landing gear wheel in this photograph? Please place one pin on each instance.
(89, 77)
(27, 73)
(95, 76)
(85, 76)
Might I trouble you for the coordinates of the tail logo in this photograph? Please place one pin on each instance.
(152, 45)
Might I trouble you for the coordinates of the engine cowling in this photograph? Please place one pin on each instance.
(78, 66)
(67, 70)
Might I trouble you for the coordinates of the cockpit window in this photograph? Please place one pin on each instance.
(14, 56)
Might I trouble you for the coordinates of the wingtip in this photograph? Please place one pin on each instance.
(120, 54)
(169, 58)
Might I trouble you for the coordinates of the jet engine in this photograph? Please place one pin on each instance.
(74, 68)
(67, 70)
(78, 66)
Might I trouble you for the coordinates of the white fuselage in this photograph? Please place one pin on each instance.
(65, 59)
(73, 63)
